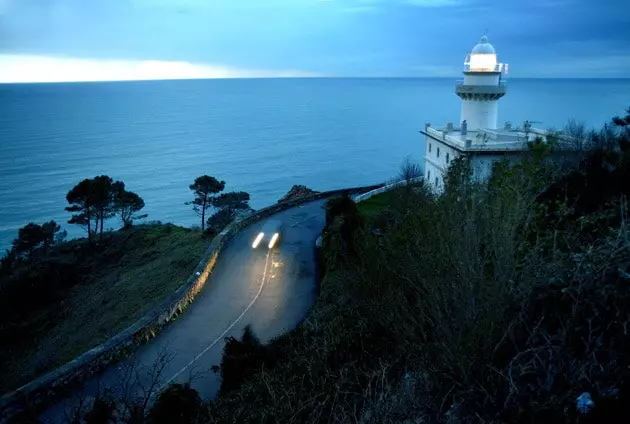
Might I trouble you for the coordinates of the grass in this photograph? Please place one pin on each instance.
(382, 201)
(134, 273)
(376, 203)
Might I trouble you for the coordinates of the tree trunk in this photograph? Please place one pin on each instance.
(203, 214)
(102, 219)
(89, 224)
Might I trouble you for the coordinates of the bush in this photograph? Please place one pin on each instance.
(241, 359)
(178, 403)
(102, 412)
(351, 220)
(219, 220)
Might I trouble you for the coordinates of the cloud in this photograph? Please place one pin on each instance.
(33, 68)
(334, 37)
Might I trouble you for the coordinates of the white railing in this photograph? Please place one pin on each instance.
(499, 67)
(461, 82)
(361, 197)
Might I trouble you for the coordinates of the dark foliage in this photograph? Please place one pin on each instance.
(178, 403)
(569, 338)
(102, 412)
(33, 236)
(92, 201)
(218, 221)
(204, 188)
(345, 209)
(599, 180)
(228, 206)
(127, 204)
(232, 201)
(81, 203)
(241, 359)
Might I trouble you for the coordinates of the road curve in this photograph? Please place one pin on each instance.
(269, 290)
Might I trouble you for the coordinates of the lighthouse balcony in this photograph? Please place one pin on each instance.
(481, 92)
(484, 140)
(491, 66)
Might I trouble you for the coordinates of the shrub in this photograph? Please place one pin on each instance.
(219, 220)
(241, 359)
(346, 210)
(178, 403)
(102, 412)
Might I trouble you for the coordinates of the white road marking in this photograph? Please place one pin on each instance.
(211, 345)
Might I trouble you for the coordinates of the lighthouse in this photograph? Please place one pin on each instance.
(483, 86)
(477, 135)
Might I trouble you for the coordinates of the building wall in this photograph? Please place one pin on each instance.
(480, 114)
(435, 166)
(437, 158)
(481, 79)
(482, 164)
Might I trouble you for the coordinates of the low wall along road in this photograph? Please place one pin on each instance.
(382, 189)
(64, 379)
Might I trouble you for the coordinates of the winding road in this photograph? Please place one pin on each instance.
(269, 290)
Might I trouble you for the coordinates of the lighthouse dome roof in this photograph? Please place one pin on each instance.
(483, 47)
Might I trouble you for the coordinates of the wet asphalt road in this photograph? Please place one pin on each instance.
(269, 290)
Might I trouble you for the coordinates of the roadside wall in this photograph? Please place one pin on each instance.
(364, 196)
(63, 380)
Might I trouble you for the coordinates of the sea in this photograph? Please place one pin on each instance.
(258, 135)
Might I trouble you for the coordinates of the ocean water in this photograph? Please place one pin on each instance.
(260, 136)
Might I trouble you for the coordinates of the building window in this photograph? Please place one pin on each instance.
(429, 147)
(447, 158)
(436, 181)
(438, 152)
(428, 174)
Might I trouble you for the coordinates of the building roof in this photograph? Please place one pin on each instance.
(487, 140)
(483, 47)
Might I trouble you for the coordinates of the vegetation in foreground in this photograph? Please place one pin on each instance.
(78, 295)
(505, 301)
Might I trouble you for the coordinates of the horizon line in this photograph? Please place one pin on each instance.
(298, 77)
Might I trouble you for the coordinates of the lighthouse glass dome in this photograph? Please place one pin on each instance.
(482, 58)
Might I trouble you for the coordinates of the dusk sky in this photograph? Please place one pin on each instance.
(52, 40)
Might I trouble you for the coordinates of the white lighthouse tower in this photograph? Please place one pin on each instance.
(482, 87)
(478, 135)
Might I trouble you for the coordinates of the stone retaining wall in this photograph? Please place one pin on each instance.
(61, 381)
(364, 196)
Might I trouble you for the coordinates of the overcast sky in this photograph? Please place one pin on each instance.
(122, 39)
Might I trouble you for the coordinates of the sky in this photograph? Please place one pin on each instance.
(78, 40)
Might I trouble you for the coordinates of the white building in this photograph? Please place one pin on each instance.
(477, 134)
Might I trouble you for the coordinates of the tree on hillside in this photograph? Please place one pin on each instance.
(52, 234)
(104, 195)
(228, 204)
(33, 236)
(29, 237)
(93, 201)
(205, 187)
(232, 202)
(126, 204)
(80, 200)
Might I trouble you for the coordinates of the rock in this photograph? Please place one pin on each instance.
(296, 192)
